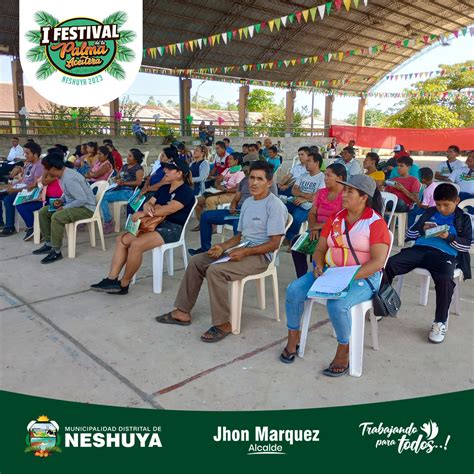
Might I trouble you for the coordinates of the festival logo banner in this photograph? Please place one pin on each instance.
(81, 54)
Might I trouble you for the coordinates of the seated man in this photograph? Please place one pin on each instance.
(464, 178)
(299, 169)
(348, 159)
(438, 254)
(32, 172)
(139, 132)
(262, 224)
(404, 186)
(209, 219)
(274, 158)
(78, 203)
(14, 158)
(445, 168)
(304, 191)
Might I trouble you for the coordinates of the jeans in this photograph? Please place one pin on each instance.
(141, 137)
(285, 192)
(27, 210)
(210, 218)
(300, 215)
(113, 196)
(8, 200)
(339, 310)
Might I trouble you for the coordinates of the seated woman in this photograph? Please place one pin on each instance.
(89, 159)
(128, 179)
(173, 201)
(103, 168)
(360, 223)
(227, 183)
(327, 201)
(200, 169)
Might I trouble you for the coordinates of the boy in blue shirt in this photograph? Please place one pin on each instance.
(439, 255)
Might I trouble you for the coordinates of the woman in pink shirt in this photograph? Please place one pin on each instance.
(327, 202)
(103, 167)
(226, 183)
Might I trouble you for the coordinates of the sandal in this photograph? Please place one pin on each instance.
(167, 318)
(330, 372)
(216, 334)
(290, 357)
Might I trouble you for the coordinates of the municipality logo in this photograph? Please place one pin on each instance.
(43, 437)
(80, 47)
(81, 54)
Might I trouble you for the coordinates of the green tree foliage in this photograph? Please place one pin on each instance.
(428, 110)
(260, 100)
(373, 118)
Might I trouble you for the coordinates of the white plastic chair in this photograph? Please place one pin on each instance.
(117, 213)
(425, 288)
(145, 162)
(71, 229)
(36, 228)
(356, 343)
(400, 220)
(389, 197)
(237, 289)
(158, 257)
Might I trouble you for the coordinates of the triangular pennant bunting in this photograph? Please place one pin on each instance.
(347, 4)
(322, 10)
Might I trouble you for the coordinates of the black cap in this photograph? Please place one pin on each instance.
(177, 163)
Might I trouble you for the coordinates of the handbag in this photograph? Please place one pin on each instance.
(149, 223)
(386, 301)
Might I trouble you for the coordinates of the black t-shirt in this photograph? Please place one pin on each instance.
(183, 194)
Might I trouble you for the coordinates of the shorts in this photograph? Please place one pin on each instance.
(169, 231)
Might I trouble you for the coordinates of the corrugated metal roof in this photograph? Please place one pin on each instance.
(382, 21)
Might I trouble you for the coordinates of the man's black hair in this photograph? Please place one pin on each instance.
(221, 144)
(304, 148)
(273, 148)
(268, 168)
(54, 159)
(316, 157)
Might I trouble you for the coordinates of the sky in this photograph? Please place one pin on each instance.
(163, 88)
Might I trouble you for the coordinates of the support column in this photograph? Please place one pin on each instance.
(290, 111)
(114, 107)
(243, 111)
(328, 114)
(361, 112)
(19, 125)
(185, 105)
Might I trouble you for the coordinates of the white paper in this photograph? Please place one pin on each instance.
(334, 280)
(221, 260)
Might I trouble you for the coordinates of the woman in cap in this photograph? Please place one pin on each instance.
(173, 201)
(361, 221)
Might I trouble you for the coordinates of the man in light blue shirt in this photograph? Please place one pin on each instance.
(348, 160)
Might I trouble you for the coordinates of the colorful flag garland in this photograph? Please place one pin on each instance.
(422, 75)
(307, 88)
(338, 56)
(249, 31)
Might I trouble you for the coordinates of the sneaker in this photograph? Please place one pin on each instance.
(7, 231)
(121, 290)
(437, 333)
(44, 249)
(193, 252)
(109, 227)
(106, 284)
(52, 257)
(28, 234)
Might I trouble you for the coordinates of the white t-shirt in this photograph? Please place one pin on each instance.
(310, 184)
(298, 170)
(444, 170)
(461, 177)
(15, 152)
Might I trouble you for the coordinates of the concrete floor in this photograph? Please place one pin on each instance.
(60, 340)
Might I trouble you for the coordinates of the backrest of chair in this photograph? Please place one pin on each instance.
(389, 248)
(183, 231)
(101, 187)
(294, 161)
(389, 197)
(289, 221)
(466, 203)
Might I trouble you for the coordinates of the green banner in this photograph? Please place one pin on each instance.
(425, 435)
